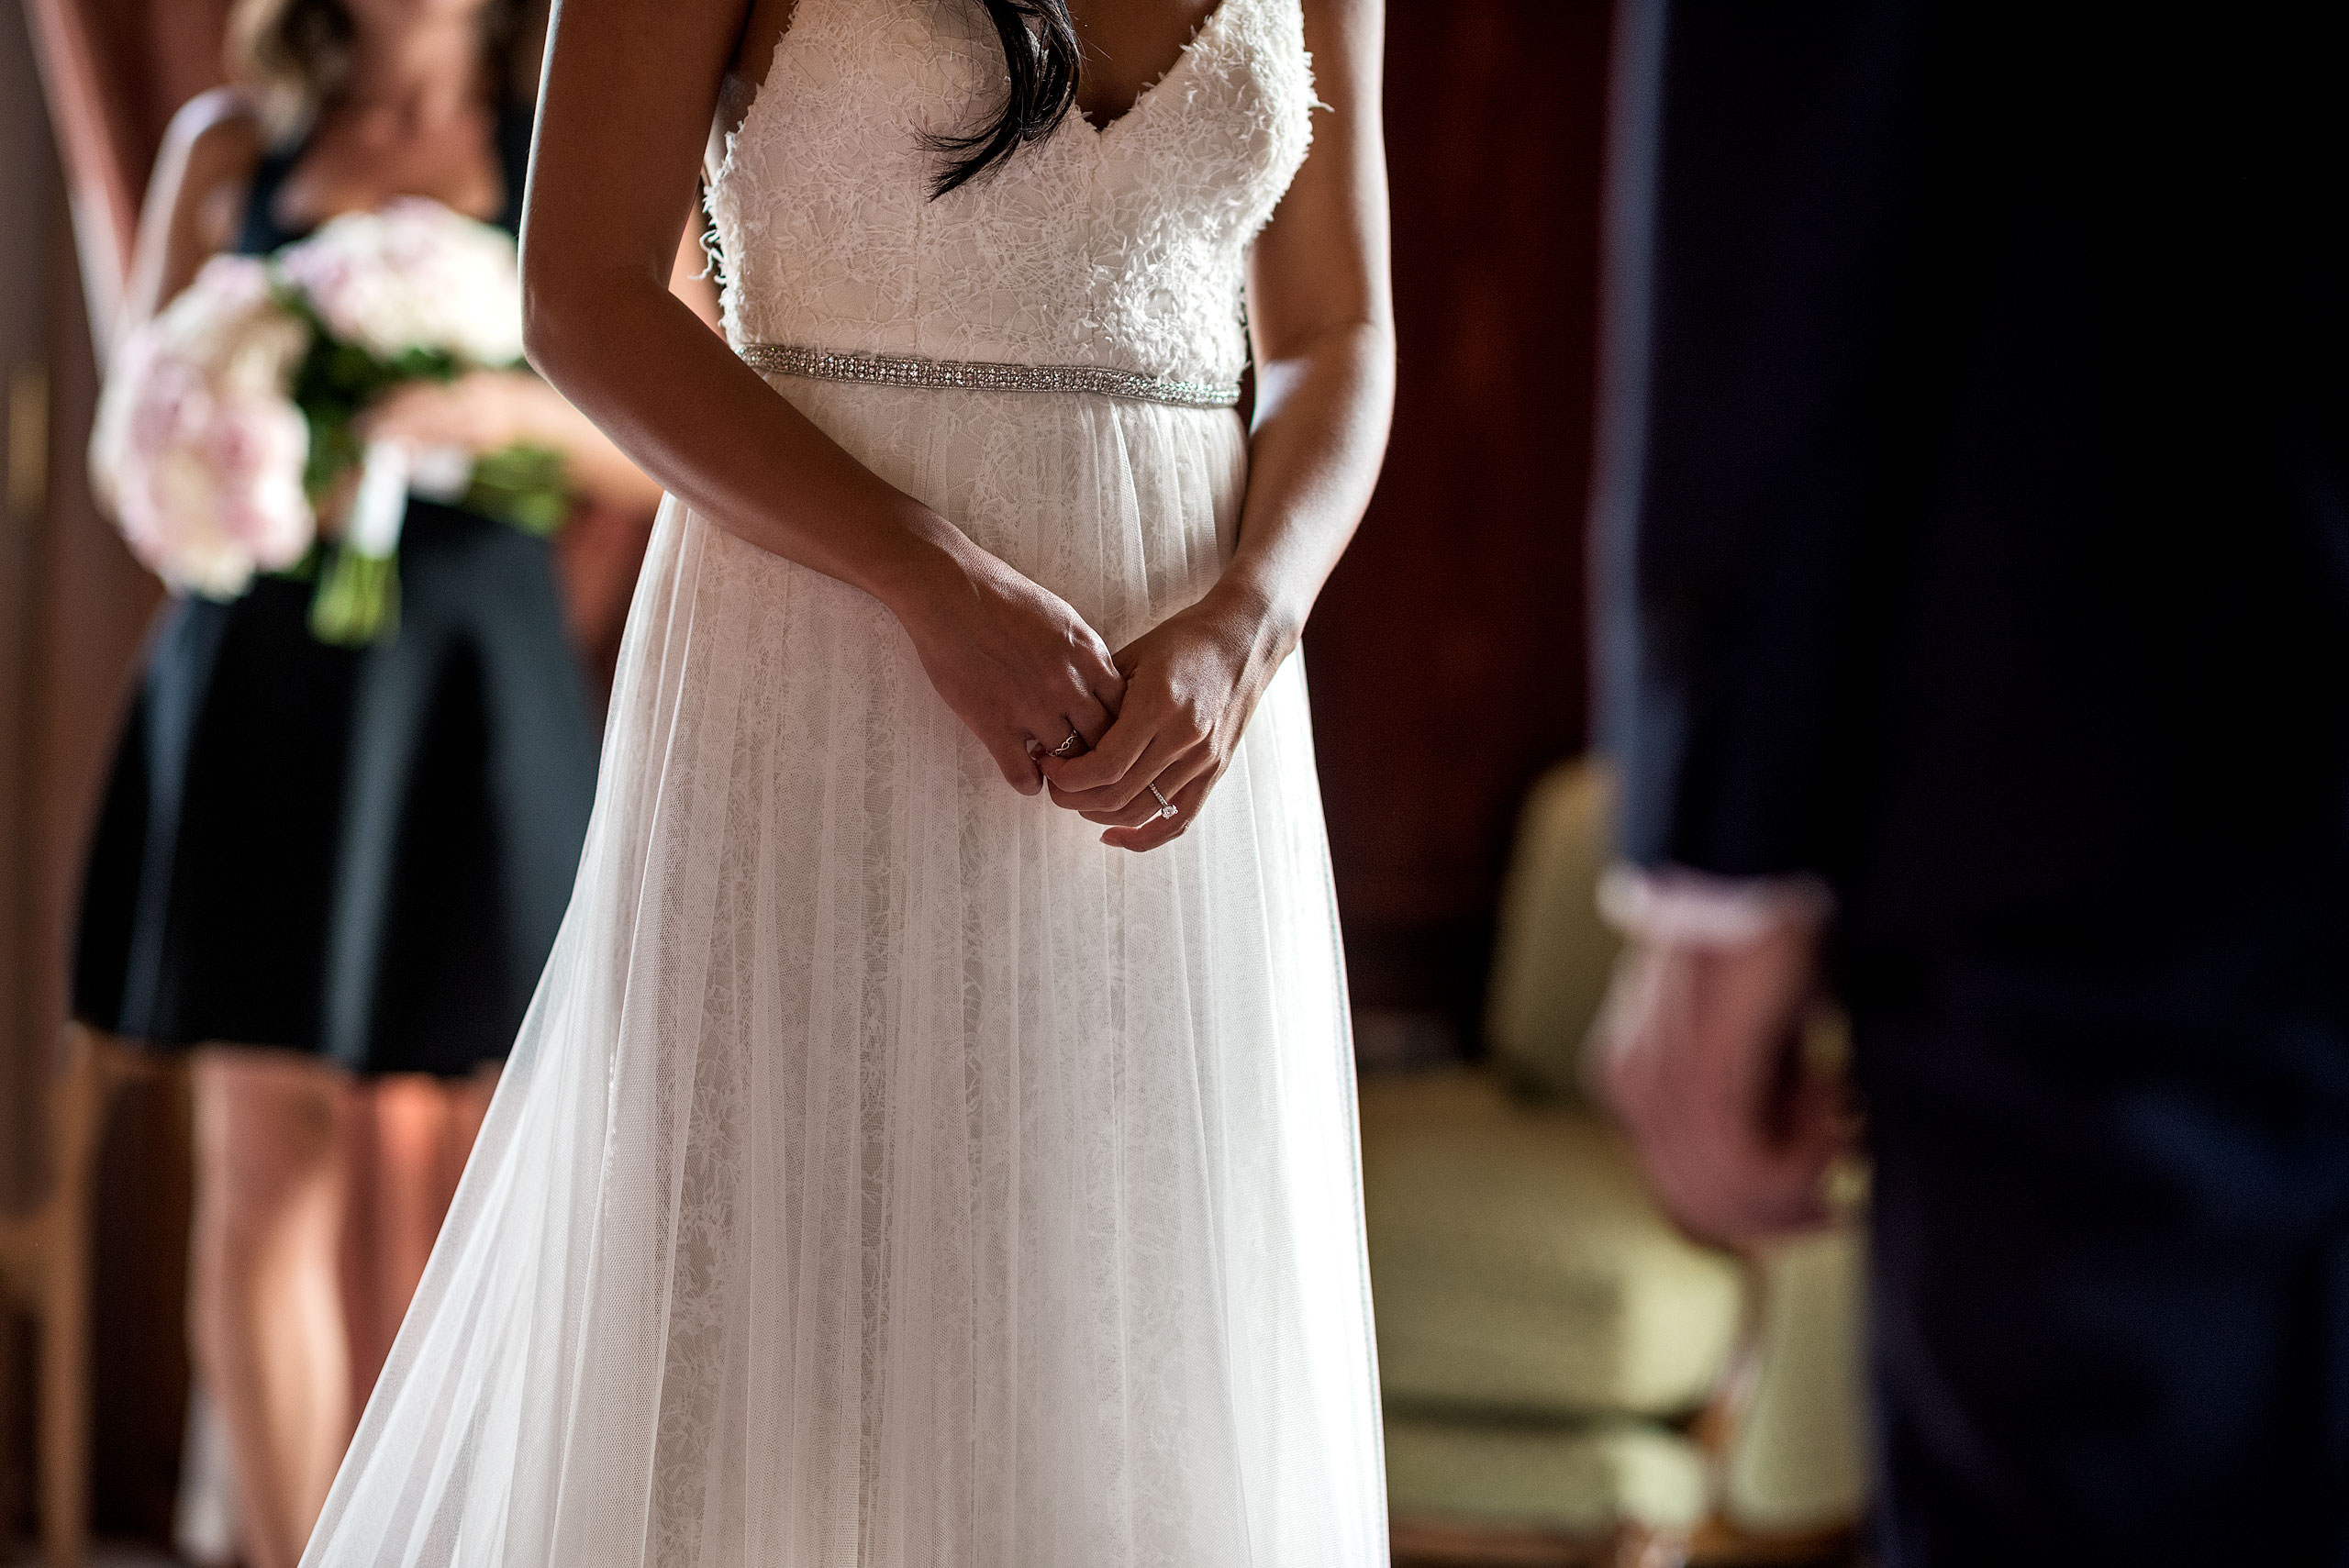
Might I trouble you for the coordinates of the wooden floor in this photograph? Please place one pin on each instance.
(1431, 1545)
(105, 1554)
(1415, 1547)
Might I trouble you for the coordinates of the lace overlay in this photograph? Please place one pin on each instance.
(1120, 247)
(888, 1174)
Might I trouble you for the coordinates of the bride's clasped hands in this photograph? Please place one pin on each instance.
(1019, 667)
(1192, 684)
(1042, 692)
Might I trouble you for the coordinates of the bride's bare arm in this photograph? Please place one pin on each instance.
(488, 410)
(624, 114)
(1321, 311)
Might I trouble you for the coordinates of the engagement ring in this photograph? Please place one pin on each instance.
(1165, 807)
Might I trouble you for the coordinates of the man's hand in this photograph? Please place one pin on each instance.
(1700, 1051)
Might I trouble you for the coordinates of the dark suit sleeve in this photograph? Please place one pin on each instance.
(1764, 206)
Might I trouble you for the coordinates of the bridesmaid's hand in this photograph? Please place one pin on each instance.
(1192, 684)
(480, 411)
(1012, 659)
(487, 411)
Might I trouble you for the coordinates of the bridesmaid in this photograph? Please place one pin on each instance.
(312, 861)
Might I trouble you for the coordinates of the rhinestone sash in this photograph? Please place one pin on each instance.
(882, 370)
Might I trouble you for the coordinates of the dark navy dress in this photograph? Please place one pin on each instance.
(362, 855)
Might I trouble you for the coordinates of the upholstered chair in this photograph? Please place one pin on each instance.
(1567, 1377)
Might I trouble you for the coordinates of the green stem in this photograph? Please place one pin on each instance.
(358, 600)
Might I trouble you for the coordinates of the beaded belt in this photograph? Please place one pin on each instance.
(980, 375)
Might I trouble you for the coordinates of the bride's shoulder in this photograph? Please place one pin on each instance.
(764, 23)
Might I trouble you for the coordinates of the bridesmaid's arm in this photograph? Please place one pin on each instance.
(625, 111)
(1321, 306)
(194, 200)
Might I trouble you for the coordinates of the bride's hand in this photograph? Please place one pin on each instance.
(1013, 661)
(1192, 683)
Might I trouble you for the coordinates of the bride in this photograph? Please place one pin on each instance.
(931, 1144)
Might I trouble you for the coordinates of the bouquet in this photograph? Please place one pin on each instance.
(228, 425)
(198, 454)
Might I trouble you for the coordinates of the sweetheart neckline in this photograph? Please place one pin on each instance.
(1097, 134)
(1149, 88)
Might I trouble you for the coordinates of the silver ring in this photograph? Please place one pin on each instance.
(1165, 807)
(1067, 748)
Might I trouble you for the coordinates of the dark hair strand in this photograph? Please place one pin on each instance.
(1040, 51)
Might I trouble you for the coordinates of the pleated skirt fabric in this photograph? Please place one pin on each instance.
(888, 1174)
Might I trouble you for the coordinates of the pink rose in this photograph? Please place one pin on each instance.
(199, 450)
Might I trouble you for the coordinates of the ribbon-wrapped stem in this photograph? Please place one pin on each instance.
(357, 597)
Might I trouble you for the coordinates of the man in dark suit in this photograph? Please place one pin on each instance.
(1974, 521)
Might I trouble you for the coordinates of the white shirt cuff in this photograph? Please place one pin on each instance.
(1680, 908)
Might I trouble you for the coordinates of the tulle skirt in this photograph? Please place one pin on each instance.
(888, 1174)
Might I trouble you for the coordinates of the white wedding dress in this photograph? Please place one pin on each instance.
(888, 1174)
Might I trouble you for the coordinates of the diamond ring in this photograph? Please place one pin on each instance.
(1165, 807)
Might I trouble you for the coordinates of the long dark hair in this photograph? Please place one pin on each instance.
(1040, 50)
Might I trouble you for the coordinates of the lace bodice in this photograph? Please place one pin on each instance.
(1121, 247)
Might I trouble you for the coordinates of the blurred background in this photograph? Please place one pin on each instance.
(1569, 1380)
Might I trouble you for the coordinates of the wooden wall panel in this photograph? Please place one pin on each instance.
(30, 198)
(1447, 659)
(92, 604)
(115, 71)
